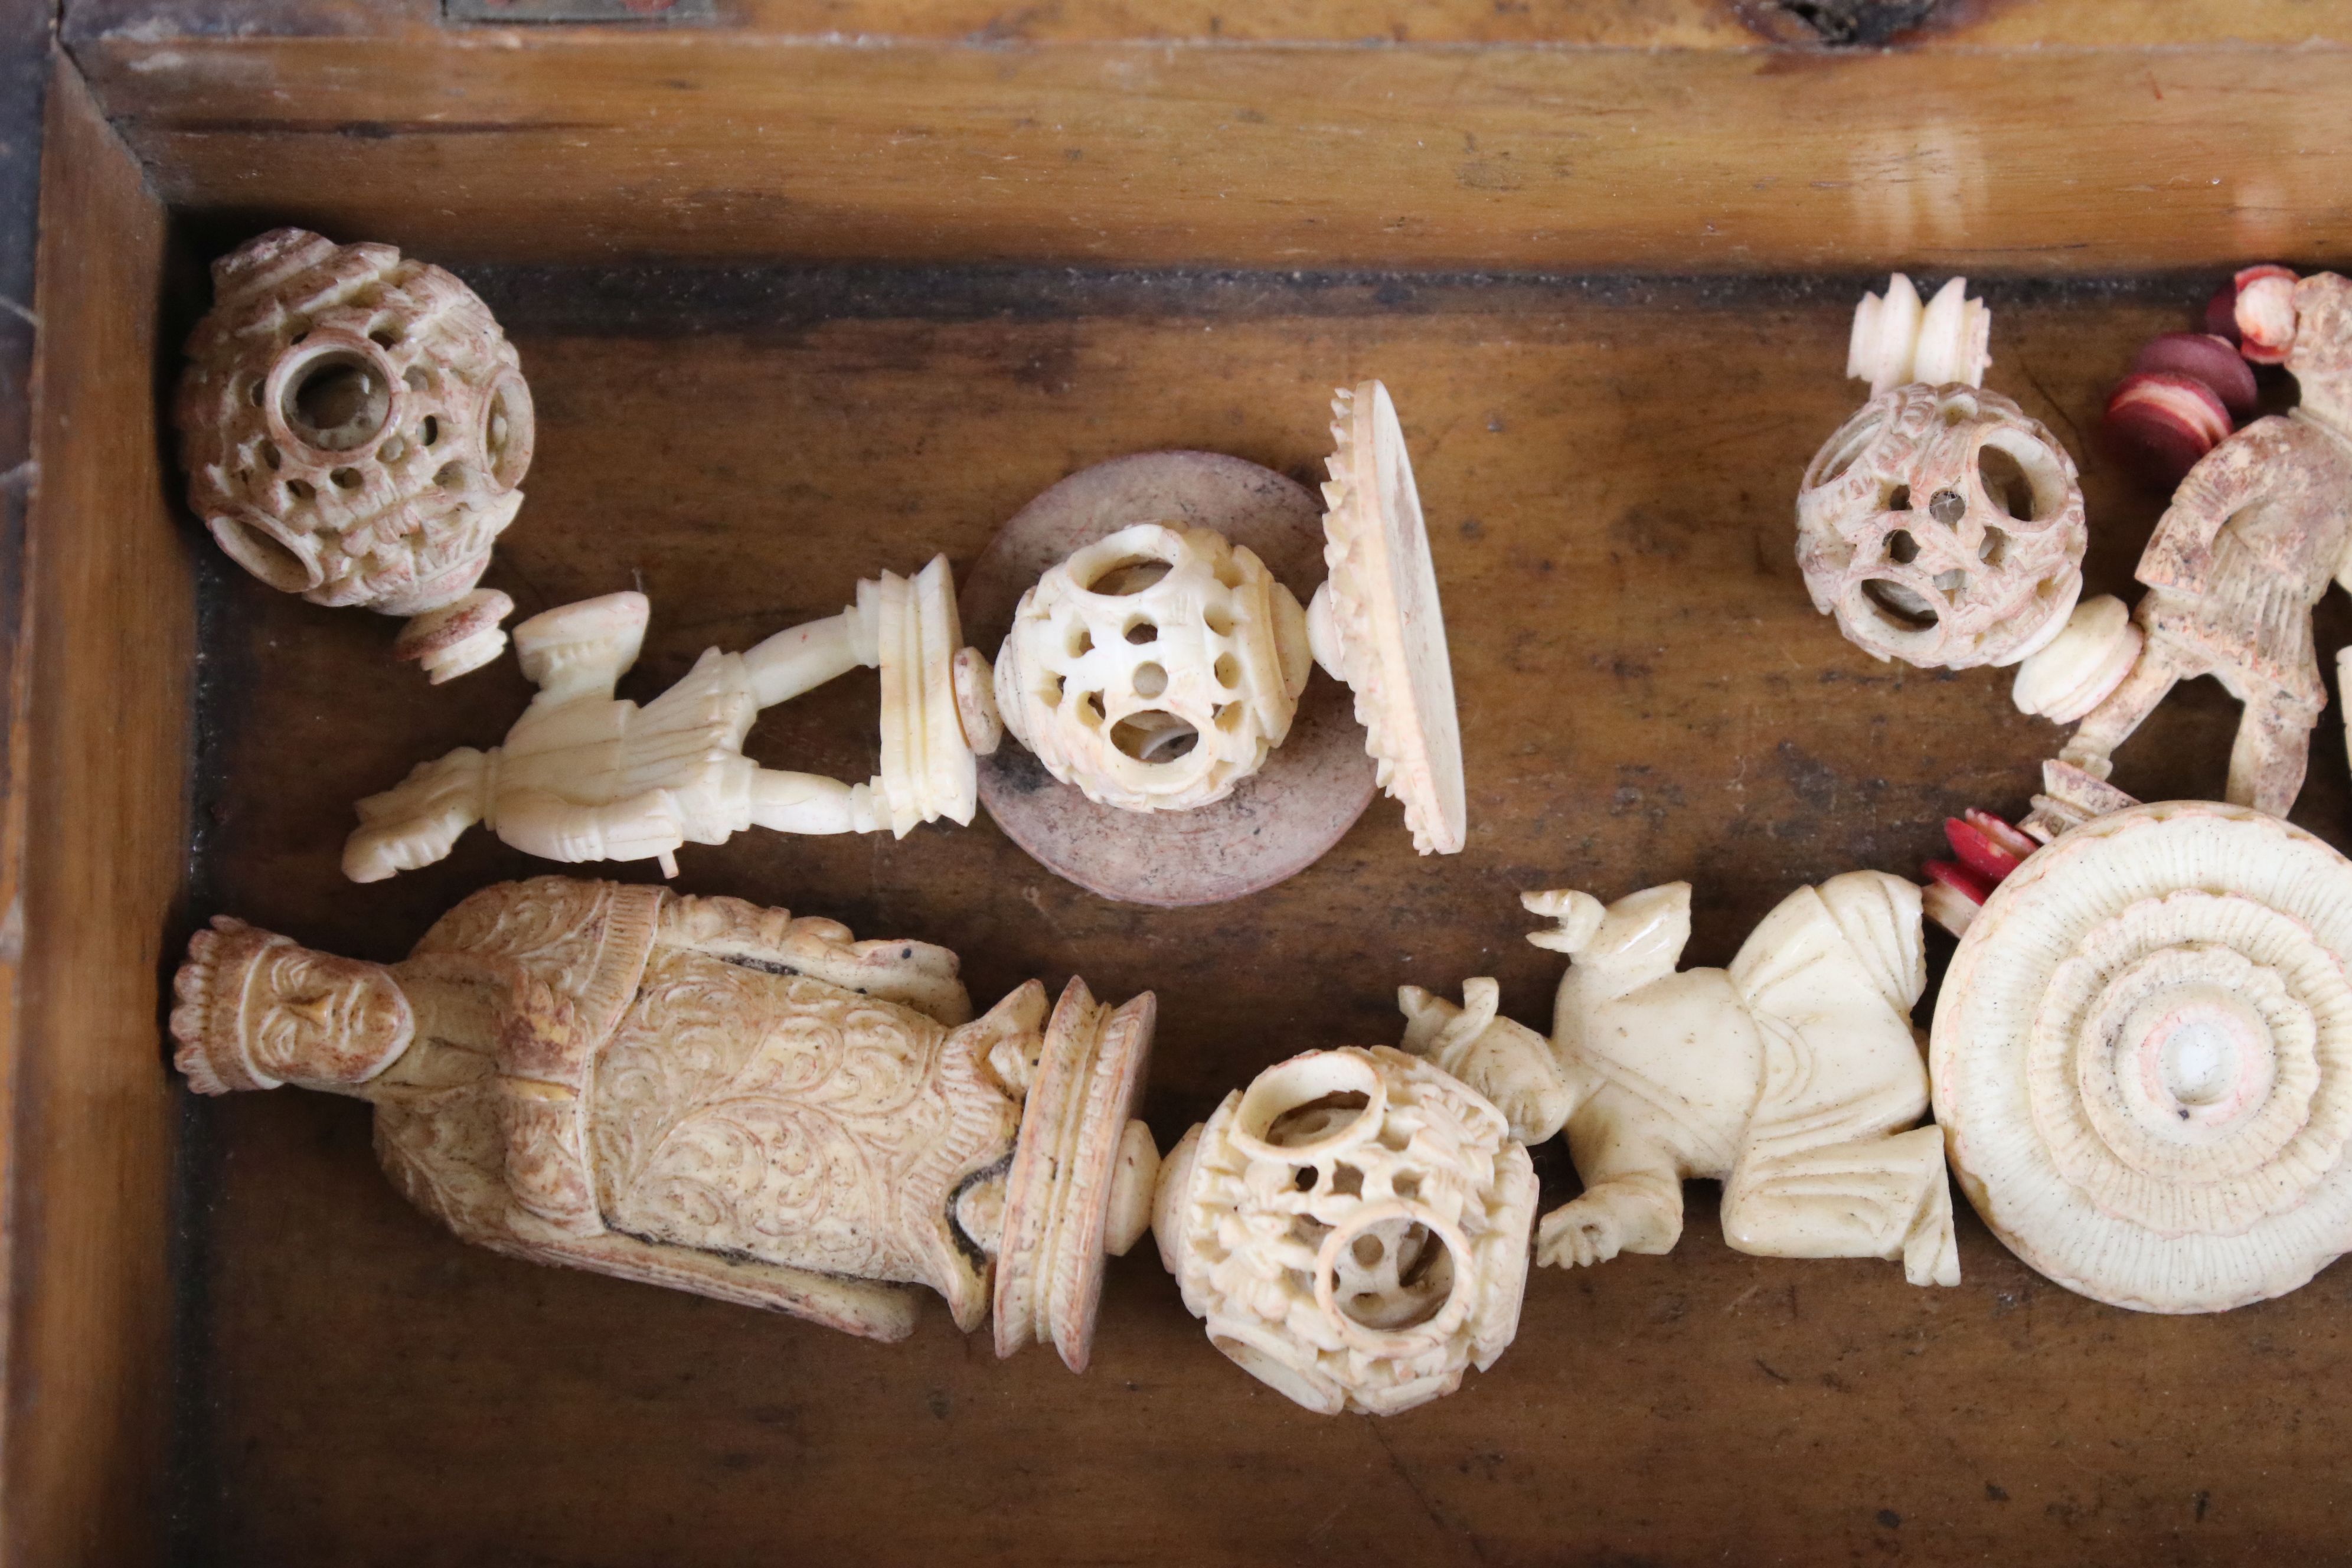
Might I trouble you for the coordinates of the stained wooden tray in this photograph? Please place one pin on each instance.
(821, 286)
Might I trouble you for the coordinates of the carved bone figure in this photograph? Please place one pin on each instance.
(355, 426)
(2252, 538)
(714, 1097)
(1352, 1227)
(585, 776)
(1154, 669)
(1794, 1077)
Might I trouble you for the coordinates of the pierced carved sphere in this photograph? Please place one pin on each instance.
(1943, 527)
(354, 424)
(1353, 1228)
(1154, 668)
(2142, 1057)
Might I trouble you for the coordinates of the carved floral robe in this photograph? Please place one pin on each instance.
(700, 1092)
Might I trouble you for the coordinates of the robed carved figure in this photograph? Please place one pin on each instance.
(716, 1097)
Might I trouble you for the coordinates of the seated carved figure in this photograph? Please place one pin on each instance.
(712, 1096)
(1794, 1077)
(2255, 533)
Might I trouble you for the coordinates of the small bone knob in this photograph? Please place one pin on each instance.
(1131, 1187)
(975, 699)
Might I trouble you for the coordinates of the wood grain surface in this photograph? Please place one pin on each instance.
(109, 652)
(1674, 139)
(1615, 23)
(1608, 469)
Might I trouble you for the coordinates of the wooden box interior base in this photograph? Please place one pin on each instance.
(1608, 465)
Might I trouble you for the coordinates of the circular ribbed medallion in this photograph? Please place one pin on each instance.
(2143, 1057)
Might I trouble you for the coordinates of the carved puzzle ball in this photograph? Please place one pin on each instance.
(1154, 668)
(354, 423)
(1943, 527)
(1353, 1228)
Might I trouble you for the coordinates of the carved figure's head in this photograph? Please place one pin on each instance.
(354, 424)
(1639, 937)
(255, 1010)
(1154, 668)
(1942, 526)
(2320, 359)
(1353, 1228)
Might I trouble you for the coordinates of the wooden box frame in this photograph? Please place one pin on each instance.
(1372, 140)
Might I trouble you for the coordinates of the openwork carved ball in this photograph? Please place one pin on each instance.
(1353, 1228)
(1943, 527)
(2142, 1057)
(1154, 668)
(354, 424)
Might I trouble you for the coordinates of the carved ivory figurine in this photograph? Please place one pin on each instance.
(2143, 1053)
(718, 1098)
(2253, 536)
(1156, 668)
(586, 777)
(1353, 1228)
(1940, 525)
(1794, 1077)
(354, 427)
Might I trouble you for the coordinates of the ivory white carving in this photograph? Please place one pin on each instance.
(1154, 669)
(2252, 538)
(356, 428)
(2083, 664)
(583, 775)
(2142, 1056)
(1353, 1229)
(1895, 343)
(1943, 527)
(1794, 1077)
(707, 1095)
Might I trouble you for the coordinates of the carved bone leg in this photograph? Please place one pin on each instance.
(1872, 1198)
(1632, 1197)
(802, 658)
(2342, 674)
(645, 826)
(810, 802)
(2153, 676)
(2272, 754)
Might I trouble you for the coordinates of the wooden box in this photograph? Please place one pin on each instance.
(806, 289)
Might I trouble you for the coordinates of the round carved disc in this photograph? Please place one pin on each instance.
(1277, 823)
(1057, 1196)
(2142, 1057)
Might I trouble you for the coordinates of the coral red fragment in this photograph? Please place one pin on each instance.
(2165, 422)
(2203, 357)
(1977, 850)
